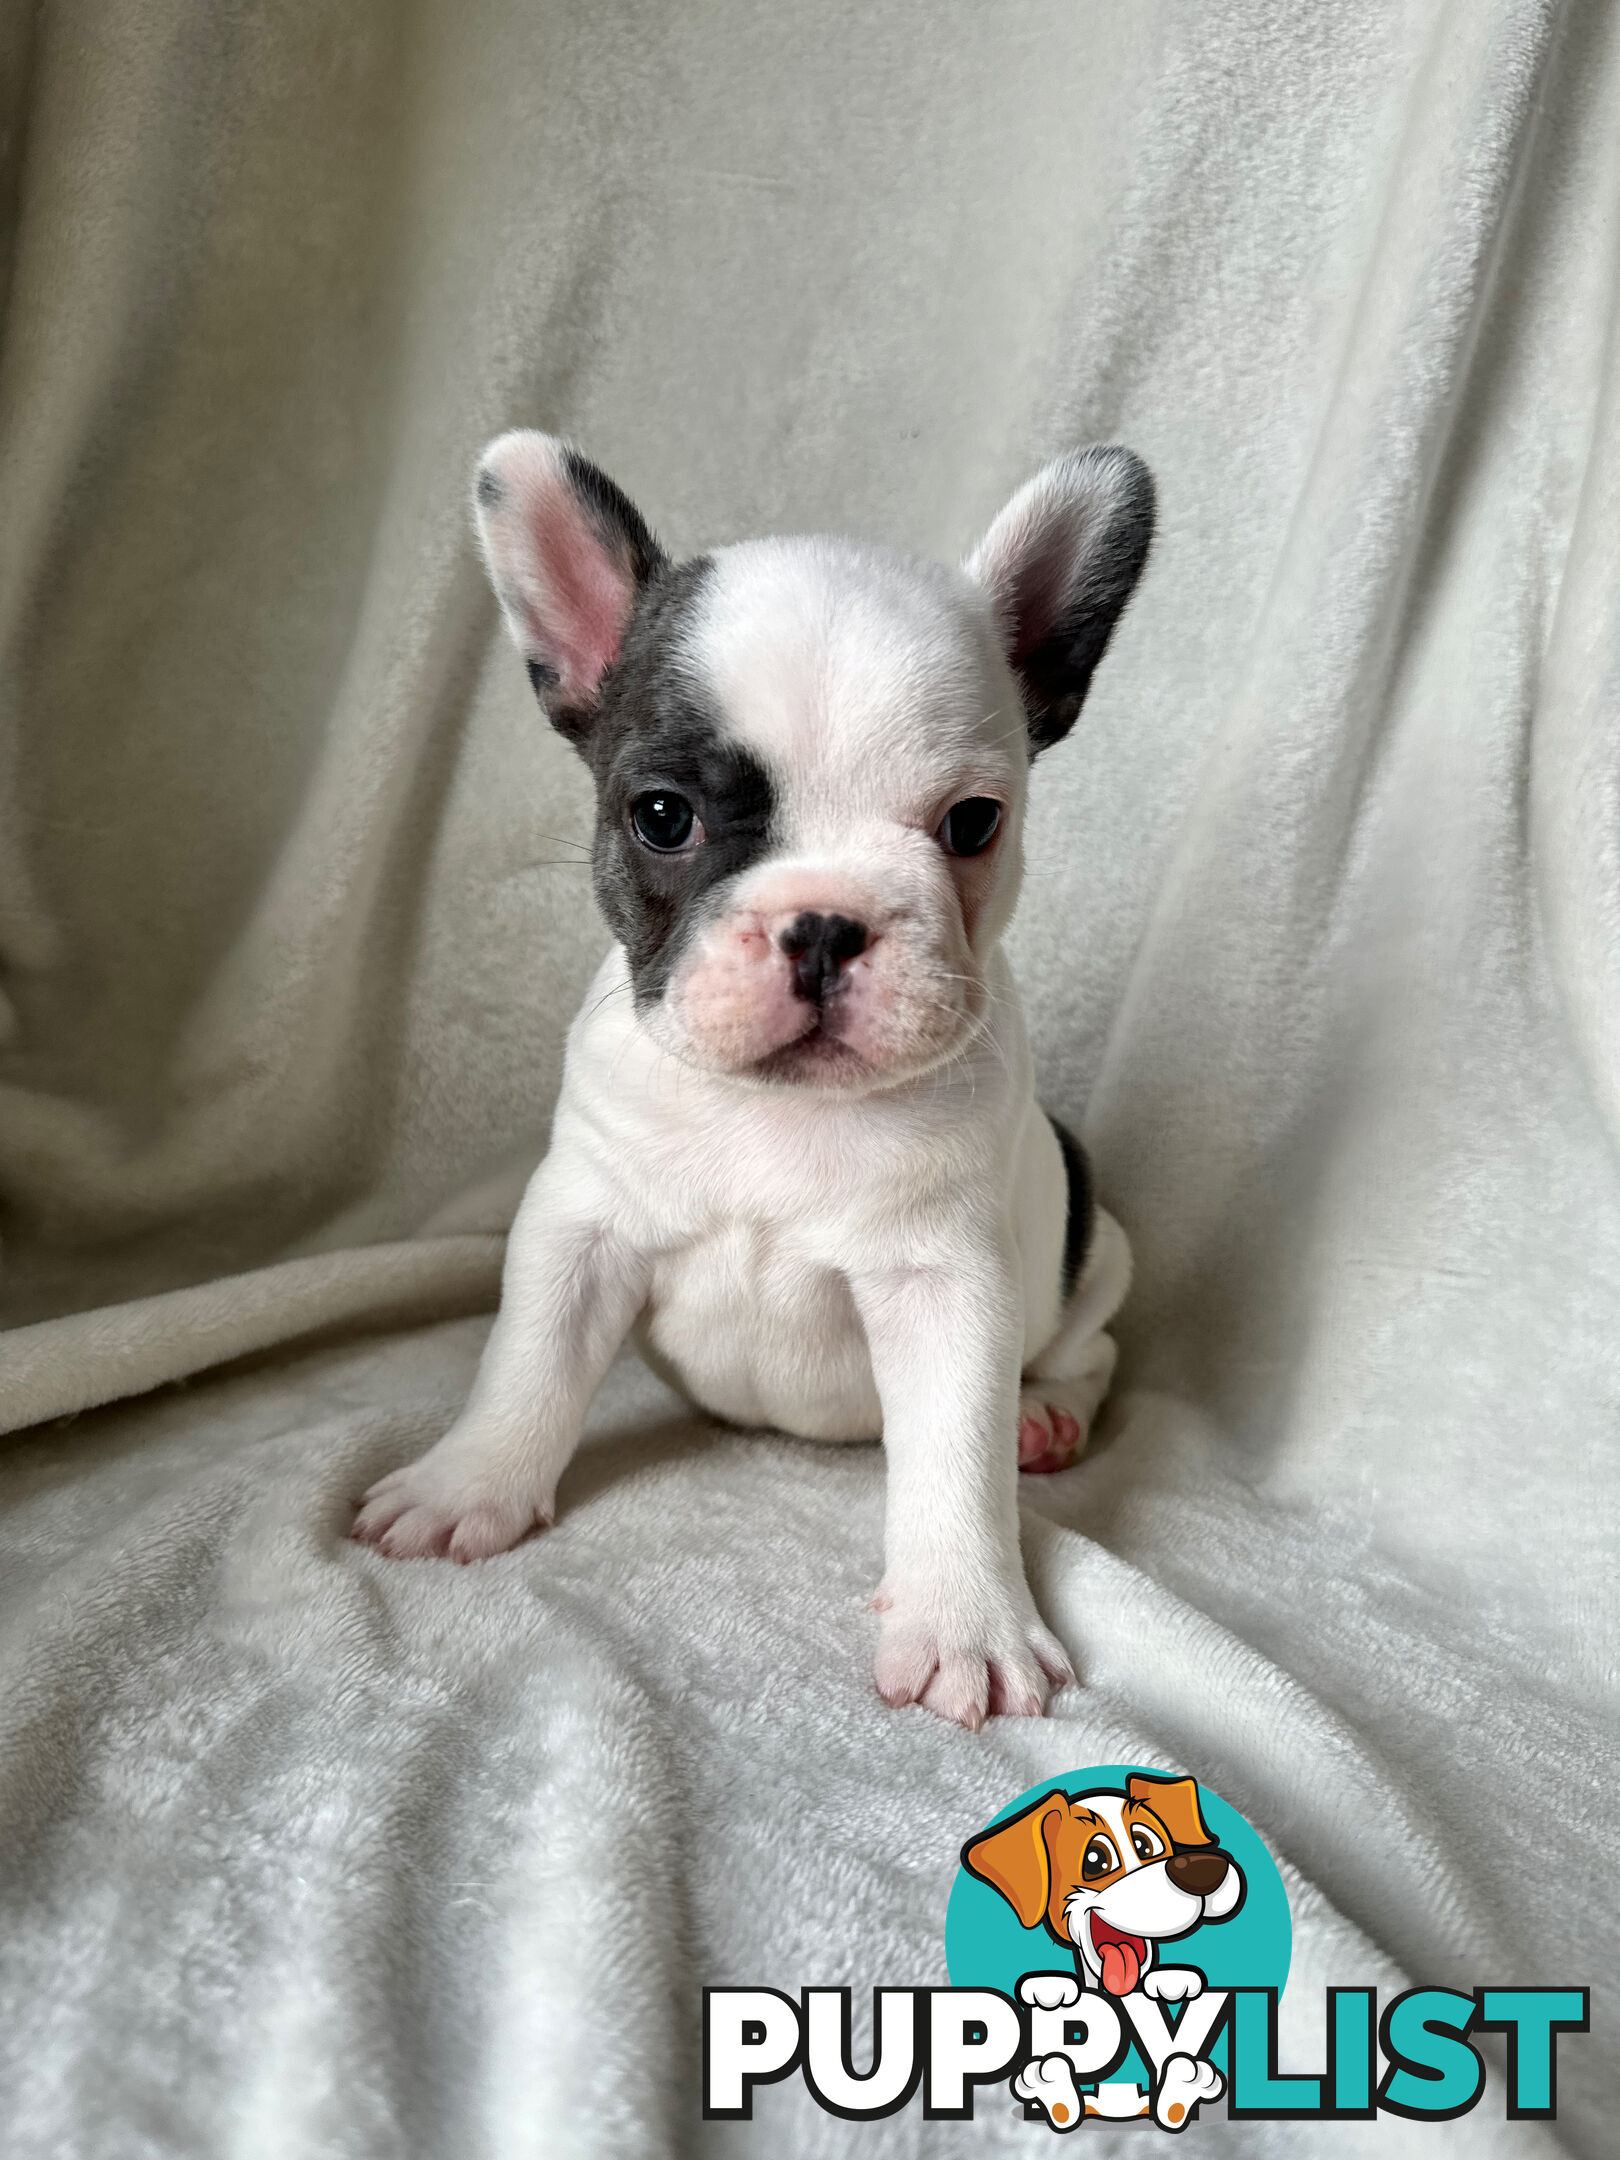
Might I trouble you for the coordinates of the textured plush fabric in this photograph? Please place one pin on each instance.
(308, 1853)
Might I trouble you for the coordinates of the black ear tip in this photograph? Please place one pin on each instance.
(487, 489)
(1144, 488)
(1127, 478)
(1124, 488)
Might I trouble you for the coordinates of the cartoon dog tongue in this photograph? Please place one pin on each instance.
(1122, 1955)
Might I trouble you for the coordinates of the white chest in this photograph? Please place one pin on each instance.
(757, 1328)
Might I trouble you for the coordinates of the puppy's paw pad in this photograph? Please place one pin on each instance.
(1182, 2086)
(1051, 1656)
(1014, 1693)
(962, 1674)
(905, 1663)
(415, 1515)
(494, 1526)
(1049, 1436)
(1049, 2083)
(405, 1532)
(960, 1689)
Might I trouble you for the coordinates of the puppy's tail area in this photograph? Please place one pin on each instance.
(1096, 1251)
(1105, 1280)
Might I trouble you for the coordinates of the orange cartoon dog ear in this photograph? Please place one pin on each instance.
(1013, 1858)
(1175, 1802)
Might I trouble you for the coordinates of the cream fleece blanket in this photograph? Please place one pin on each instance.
(307, 1853)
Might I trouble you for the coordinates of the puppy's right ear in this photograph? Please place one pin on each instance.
(567, 554)
(1059, 564)
(1175, 1801)
(1013, 1858)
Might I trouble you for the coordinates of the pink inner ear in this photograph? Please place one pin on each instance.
(1042, 574)
(567, 590)
(580, 592)
(1037, 598)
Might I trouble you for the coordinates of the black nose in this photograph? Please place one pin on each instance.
(818, 946)
(1200, 1874)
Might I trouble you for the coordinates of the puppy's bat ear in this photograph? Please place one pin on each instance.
(567, 554)
(1059, 564)
(1014, 1859)
(1175, 1802)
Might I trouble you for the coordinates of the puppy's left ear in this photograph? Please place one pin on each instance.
(567, 553)
(1059, 564)
(1175, 1802)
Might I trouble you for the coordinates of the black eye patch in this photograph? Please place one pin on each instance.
(661, 753)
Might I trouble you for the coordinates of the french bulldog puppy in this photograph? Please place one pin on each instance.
(797, 1152)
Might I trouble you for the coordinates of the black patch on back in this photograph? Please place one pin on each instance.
(1055, 673)
(1082, 1206)
(653, 726)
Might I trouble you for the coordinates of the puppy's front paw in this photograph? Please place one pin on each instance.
(1049, 2083)
(447, 1506)
(1049, 1991)
(1173, 1983)
(969, 1656)
(1183, 2084)
(1050, 1437)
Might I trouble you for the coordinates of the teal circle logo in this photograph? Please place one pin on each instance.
(1129, 1883)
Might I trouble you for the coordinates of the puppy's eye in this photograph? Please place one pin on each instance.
(1146, 1844)
(969, 827)
(665, 821)
(1100, 1859)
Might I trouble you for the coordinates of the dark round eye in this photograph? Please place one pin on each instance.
(663, 819)
(1147, 1845)
(1100, 1859)
(969, 827)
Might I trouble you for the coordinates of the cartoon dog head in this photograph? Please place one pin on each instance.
(1111, 1874)
(810, 755)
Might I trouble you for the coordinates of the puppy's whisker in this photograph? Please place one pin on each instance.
(614, 990)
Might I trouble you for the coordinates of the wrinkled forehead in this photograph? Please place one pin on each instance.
(858, 675)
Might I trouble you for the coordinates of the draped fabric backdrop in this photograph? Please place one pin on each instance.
(308, 1853)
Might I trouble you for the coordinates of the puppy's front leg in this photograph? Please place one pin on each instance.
(960, 1632)
(570, 1290)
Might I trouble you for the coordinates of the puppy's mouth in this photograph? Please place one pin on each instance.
(1122, 1955)
(816, 1055)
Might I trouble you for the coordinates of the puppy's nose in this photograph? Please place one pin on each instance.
(1200, 1874)
(818, 946)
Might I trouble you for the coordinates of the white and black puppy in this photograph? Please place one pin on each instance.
(797, 1149)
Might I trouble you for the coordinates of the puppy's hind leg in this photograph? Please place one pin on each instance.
(1064, 1384)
